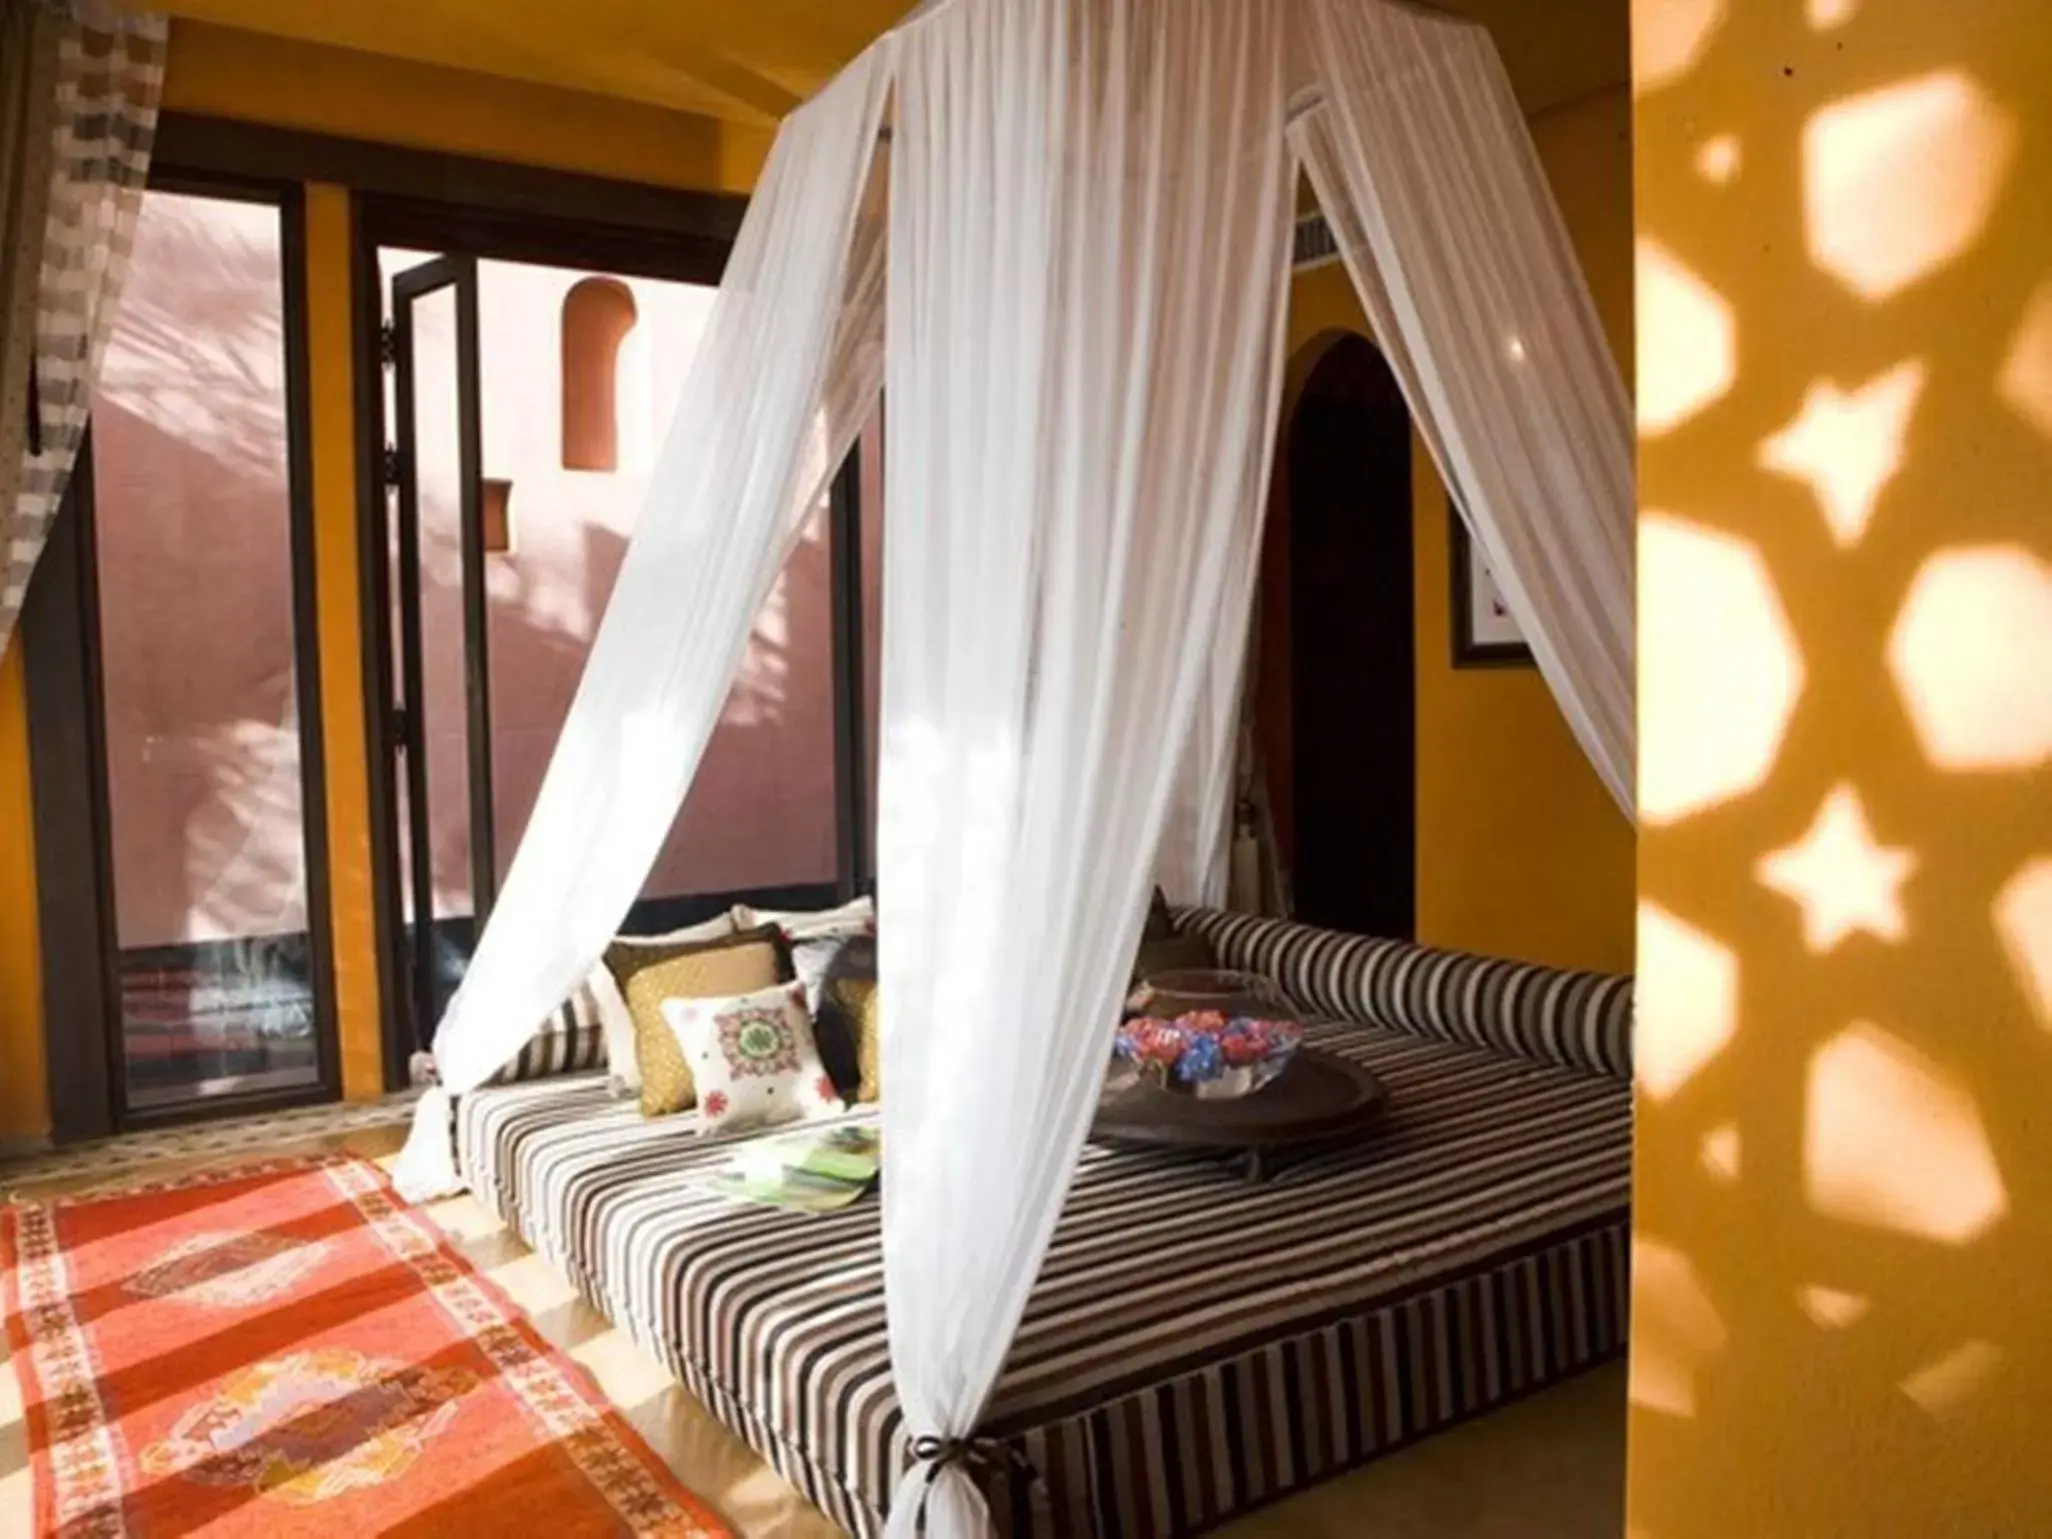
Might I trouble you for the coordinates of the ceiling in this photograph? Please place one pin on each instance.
(753, 60)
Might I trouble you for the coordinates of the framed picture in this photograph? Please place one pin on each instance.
(1484, 633)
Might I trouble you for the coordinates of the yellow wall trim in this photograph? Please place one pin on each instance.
(332, 410)
(24, 1087)
(253, 77)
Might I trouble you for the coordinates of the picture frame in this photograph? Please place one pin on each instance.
(1485, 635)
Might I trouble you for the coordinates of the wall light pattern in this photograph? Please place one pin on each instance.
(1728, 706)
(1847, 444)
(1899, 181)
(1971, 654)
(1677, 380)
(1875, 1262)
(1841, 877)
(2025, 383)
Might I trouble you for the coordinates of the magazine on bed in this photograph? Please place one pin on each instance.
(809, 1170)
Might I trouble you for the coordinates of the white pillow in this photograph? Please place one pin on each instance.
(612, 1004)
(854, 918)
(753, 1059)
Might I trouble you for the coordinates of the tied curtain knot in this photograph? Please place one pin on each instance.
(978, 1456)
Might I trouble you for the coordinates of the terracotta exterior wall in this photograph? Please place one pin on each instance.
(195, 561)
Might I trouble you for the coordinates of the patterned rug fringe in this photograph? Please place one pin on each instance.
(206, 1140)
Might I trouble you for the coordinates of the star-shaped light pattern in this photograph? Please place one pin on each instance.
(1841, 878)
(1848, 446)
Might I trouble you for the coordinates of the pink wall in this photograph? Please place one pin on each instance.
(761, 812)
(195, 573)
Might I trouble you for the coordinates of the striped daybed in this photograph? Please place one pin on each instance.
(1196, 1345)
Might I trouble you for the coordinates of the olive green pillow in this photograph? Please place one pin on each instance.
(709, 969)
(855, 1000)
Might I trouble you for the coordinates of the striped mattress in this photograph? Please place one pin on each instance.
(1196, 1345)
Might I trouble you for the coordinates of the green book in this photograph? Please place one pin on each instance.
(810, 1170)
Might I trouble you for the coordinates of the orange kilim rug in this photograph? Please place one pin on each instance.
(288, 1349)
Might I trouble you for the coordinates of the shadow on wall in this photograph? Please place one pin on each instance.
(203, 741)
(1844, 1148)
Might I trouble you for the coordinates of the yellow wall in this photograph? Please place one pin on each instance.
(1521, 852)
(351, 884)
(1844, 1137)
(225, 73)
(24, 1112)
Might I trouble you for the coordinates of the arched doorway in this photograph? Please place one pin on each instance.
(1338, 711)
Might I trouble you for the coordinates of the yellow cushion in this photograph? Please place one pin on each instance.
(700, 970)
(857, 997)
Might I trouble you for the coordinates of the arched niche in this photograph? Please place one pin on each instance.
(597, 315)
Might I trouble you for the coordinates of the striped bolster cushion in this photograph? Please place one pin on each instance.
(1580, 1020)
(573, 1042)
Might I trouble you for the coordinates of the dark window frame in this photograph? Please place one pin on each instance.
(87, 1083)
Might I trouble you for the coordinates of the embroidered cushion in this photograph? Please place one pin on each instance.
(753, 1058)
(710, 969)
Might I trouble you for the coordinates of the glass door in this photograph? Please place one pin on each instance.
(178, 762)
(443, 718)
(525, 404)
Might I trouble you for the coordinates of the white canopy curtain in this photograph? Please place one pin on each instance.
(1089, 221)
(1419, 155)
(1420, 158)
(789, 365)
(1091, 214)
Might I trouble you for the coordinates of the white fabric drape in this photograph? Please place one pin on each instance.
(788, 367)
(1194, 863)
(101, 121)
(1421, 159)
(1090, 224)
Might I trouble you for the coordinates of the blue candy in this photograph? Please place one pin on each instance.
(1202, 1060)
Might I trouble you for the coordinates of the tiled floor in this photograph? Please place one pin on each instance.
(1551, 1467)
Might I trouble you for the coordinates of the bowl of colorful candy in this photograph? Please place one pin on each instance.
(1206, 1033)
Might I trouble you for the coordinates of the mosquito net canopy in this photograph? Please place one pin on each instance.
(1057, 235)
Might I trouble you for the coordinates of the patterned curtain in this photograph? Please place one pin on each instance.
(79, 88)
